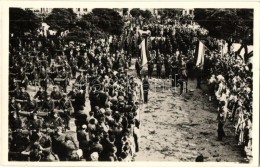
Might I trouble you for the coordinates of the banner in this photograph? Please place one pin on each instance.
(201, 53)
(143, 52)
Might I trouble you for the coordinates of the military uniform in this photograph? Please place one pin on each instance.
(159, 64)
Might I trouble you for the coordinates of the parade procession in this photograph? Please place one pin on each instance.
(122, 84)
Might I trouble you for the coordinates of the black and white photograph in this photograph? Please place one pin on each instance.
(131, 84)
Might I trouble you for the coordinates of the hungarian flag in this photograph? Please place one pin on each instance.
(200, 53)
(142, 46)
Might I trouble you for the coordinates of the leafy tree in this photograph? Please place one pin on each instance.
(125, 10)
(227, 24)
(61, 18)
(147, 14)
(107, 20)
(23, 21)
(169, 13)
(135, 12)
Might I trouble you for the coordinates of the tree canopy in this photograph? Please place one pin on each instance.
(227, 23)
(61, 18)
(106, 20)
(23, 21)
(169, 13)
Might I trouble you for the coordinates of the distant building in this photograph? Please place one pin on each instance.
(39, 10)
(189, 11)
(82, 11)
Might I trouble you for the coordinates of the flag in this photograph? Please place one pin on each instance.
(143, 52)
(201, 53)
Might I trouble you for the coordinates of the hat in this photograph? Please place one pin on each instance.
(84, 126)
(94, 156)
(120, 98)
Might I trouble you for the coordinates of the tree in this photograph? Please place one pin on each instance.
(147, 14)
(22, 21)
(107, 20)
(125, 10)
(135, 12)
(227, 24)
(169, 13)
(61, 19)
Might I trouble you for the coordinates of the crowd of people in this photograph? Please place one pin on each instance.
(40, 123)
(97, 71)
(231, 85)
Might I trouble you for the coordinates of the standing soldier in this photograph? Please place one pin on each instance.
(159, 64)
(151, 64)
(67, 107)
(146, 87)
(138, 67)
(64, 77)
(174, 66)
(43, 78)
(167, 65)
(221, 121)
(74, 67)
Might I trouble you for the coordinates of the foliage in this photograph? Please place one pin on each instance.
(125, 10)
(135, 12)
(106, 20)
(227, 23)
(169, 13)
(61, 19)
(23, 21)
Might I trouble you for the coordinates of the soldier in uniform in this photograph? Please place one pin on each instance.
(64, 77)
(23, 79)
(67, 107)
(57, 120)
(56, 96)
(221, 121)
(25, 99)
(151, 64)
(31, 73)
(71, 95)
(42, 96)
(146, 87)
(74, 67)
(43, 78)
(138, 67)
(53, 73)
(159, 64)
(174, 66)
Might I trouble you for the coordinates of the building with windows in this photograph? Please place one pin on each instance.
(81, 11)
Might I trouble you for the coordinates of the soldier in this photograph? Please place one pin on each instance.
(138, 67)
(221, 121)
(71, 95)
(53, 73)
(74, 67)
(25, 99)
(43, 76)
(31, 73)
(63, 75)
(159, 64)
(182, 75)
(151, 64)
(22, 78)
(56, 121)
(35, 122)
(174, 66)
(41, 96)
(67, 107)
(56, 96)
(146, 87)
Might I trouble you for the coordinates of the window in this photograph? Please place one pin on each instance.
(85, 9)
(78, 9)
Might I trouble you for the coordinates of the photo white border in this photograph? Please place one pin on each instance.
(4, 27)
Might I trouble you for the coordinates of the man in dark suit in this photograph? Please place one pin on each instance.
(146, 87)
